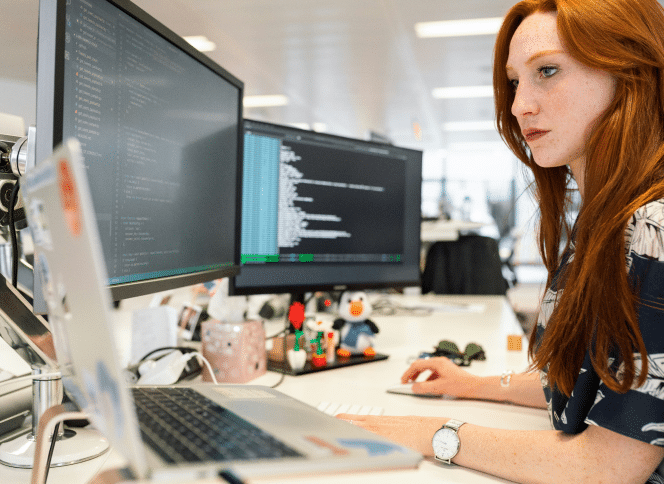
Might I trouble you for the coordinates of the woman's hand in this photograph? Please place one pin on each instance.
(412, 432)
(446, 378)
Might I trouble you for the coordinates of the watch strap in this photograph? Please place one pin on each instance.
(454, 424)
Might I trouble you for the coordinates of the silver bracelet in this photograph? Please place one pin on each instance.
(505, 378)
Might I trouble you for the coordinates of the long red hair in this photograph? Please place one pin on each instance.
(624, 170)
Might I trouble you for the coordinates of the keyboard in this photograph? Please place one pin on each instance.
(182, 425)
(334, 409)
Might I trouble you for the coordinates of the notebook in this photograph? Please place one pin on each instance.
(64, 229)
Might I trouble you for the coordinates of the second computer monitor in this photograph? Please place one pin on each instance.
(323, 212)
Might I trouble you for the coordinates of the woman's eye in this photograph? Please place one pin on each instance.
(514, 83)
(547, 71)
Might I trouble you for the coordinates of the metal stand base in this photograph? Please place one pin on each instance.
(72, 448)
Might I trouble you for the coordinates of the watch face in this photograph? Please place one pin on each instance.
(445, 443)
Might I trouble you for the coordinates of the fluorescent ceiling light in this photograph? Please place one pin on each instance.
(470, 126)
(265, 101)
(462, 92)
(201, 43)
(306, 126)
(458, 28)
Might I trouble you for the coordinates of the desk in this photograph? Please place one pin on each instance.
(486, 320)
(441, 230)
(403, 336)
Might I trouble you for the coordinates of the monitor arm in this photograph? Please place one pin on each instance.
(18, 154)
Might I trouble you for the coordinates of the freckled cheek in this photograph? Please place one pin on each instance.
(561, 106)
(596, 97)
(575, 114)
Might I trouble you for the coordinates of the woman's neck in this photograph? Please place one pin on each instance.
(578, 168)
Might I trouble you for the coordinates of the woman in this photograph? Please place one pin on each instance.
(579, 90)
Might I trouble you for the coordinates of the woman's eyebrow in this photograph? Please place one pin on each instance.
(536, 56)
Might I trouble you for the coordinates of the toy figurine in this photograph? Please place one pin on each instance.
(297, 357)
(320, 339)
(356, 329)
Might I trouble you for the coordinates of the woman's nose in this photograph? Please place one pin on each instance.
(525, 102)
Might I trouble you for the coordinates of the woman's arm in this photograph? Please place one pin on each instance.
(524, 389)
(528, 456)
(594, 455)
(446, 378)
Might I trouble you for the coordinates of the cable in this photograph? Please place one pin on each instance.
(183, 349)
(386, 307)
(207, 364)
(165, 348)
(50, 451)
(133, 373)
(12, 230)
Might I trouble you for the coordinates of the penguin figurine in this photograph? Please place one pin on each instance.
(356, 329)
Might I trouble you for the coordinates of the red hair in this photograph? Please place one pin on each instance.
(624, 170)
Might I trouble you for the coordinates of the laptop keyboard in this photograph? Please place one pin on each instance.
(182, 425)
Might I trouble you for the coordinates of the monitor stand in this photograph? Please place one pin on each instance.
(36, 347)
(71, 446)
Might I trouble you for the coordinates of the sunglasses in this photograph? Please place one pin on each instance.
(450, 350)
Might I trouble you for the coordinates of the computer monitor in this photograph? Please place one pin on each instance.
(160, 127)
(326, 213)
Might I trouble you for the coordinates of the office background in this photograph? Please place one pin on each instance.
(356, 68)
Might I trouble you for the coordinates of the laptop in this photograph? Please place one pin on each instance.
(306, 441)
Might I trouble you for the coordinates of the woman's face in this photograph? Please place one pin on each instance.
(557, 99)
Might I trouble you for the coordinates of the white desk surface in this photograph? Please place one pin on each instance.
(402, 337)
(440, 230)
(486, 320)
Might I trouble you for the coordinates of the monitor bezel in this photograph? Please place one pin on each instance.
(50, 98)
(299, 289)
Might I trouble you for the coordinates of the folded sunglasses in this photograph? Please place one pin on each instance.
(450, 350)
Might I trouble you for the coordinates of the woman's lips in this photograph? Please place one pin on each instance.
(535, 135)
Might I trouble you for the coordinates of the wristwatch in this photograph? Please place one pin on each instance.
(446, 442)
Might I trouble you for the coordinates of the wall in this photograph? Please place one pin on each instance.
(19, 98)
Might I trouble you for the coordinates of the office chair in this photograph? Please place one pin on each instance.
(469, 265)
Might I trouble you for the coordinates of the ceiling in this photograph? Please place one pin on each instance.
(353, 65)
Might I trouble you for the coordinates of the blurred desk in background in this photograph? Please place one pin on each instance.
(441, 230)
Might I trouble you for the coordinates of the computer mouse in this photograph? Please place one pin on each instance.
(407, 389)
